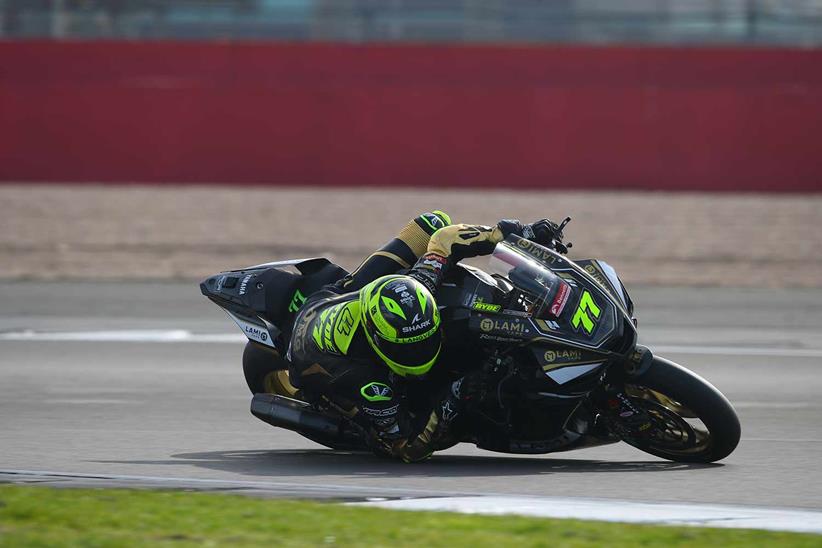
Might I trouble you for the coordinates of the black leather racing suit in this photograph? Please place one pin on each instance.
(351, 376)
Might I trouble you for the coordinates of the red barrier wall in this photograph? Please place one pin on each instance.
(567, 117)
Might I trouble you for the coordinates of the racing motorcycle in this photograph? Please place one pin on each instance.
(556, 341)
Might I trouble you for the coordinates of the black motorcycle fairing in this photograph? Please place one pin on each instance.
(556, 371)
(607, 277)
(264, 299)
(477, 321)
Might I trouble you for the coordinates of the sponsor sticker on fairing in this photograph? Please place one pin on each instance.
(560, 299)
(244, 284)
(254, 332)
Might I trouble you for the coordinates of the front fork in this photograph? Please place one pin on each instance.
(615, 412)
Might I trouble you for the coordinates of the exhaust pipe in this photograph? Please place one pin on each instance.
(293, 415)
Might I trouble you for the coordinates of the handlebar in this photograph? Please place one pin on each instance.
(557, 238)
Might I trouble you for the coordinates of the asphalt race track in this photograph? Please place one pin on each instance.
(175, 413)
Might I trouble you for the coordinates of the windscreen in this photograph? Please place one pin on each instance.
(545, 293)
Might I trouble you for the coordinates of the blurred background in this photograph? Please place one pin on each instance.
(319, 126)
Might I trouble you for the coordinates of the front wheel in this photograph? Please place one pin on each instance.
(691, 421)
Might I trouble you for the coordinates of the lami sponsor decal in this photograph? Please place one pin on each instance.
(252, 331)
(512, 326)
(256, 333)
(596, 274)
(536, 250)
(551, 356)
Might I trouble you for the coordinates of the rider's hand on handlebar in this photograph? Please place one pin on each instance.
(544, 232)
(471, 387)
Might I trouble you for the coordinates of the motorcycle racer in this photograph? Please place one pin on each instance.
(355, 341)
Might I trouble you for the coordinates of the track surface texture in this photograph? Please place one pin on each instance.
(110, 232)
(180, 410)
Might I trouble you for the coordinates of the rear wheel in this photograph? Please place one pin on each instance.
(691, 421)
(265, 371)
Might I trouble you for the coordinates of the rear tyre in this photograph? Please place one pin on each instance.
(691, 420)
(265, 371)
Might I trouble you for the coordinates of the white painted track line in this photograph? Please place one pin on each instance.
(307, 489)
(740, 351)
(703, 515)
(184, 336)
(124, 335)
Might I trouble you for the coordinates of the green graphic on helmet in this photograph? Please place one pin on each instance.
(401, 322)
(393, 306)
(422, 299)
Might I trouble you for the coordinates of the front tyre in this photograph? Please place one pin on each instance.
(691, 420)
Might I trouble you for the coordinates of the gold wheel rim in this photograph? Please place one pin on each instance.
(277, 382)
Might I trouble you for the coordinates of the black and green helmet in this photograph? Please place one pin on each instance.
(401, 321)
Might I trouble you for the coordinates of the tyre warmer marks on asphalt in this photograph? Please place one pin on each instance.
(659, 513)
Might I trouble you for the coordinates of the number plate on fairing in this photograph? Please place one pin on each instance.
(569, 307)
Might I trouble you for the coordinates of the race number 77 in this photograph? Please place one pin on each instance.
(581, 316)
